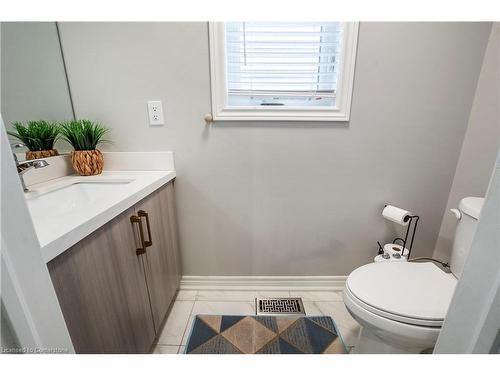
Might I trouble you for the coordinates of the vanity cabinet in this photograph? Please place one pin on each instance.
(116, 285)
(160, 259)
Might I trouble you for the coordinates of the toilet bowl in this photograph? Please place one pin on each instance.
(401, 306)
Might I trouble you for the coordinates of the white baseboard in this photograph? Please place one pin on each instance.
(263, 282)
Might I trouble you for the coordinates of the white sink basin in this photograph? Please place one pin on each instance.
(36, 192)
(67, 209)
(71, 198)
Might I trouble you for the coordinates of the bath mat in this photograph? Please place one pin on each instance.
(231, 334)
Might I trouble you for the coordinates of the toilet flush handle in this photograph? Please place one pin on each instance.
(457, 213)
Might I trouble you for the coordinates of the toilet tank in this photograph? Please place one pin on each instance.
(469, 209)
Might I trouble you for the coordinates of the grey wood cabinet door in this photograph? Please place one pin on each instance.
(168, 204)
(158, 265)
(102, 293)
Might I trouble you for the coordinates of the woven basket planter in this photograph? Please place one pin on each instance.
(31, 155)
(87, 163)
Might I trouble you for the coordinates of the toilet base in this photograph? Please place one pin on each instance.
(369, 343)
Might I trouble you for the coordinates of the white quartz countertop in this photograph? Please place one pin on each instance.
(67, 209)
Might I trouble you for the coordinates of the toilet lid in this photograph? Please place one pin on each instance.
(419, 291)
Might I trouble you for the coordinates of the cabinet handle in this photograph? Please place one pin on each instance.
(137, 219)
(142, 213)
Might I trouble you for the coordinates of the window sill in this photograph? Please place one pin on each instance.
(280, 115)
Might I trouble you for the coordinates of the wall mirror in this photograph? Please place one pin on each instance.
(34, 82)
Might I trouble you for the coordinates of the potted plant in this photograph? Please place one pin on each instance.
(38, 136)
(84, 136)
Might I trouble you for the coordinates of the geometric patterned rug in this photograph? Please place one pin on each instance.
(231, 334)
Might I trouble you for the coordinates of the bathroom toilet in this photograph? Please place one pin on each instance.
(401, 306)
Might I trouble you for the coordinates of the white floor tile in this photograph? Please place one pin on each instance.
(339, 313)
(317, 296)
(239, 295)
(187, 333)
(224, 307)
(175, 326)
(166, 349)
(272, 294)
(186, 295)
(225, 295)
(350, 336)
(311, 309)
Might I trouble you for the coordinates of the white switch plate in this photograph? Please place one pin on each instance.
(155, 112)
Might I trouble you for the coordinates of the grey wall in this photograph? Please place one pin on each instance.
(288, 198)
(33, 79)
(480, 144)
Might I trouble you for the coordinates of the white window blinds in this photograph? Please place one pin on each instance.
(277, 63)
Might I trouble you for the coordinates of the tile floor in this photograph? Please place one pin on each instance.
(189, 303)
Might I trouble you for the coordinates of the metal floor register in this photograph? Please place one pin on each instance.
(279, 306)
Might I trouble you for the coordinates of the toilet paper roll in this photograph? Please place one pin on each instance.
(392, 248)
(379, 259)
(397, 215)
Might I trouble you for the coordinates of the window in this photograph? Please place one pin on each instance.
(282, 70)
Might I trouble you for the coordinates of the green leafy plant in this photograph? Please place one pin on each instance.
(83, 134)
(37, 135)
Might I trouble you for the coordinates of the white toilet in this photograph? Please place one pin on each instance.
(401, 305)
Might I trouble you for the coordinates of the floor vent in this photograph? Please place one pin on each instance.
(279, 306)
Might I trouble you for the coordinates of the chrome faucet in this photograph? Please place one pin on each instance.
(25, 166)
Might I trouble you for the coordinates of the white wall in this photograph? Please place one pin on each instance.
(7, 336)
(288, 198)
(472, 324)
(480, 145)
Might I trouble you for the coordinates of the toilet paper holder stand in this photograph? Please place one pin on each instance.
(413, 219)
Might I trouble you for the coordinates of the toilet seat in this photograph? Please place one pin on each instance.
(412, 293)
